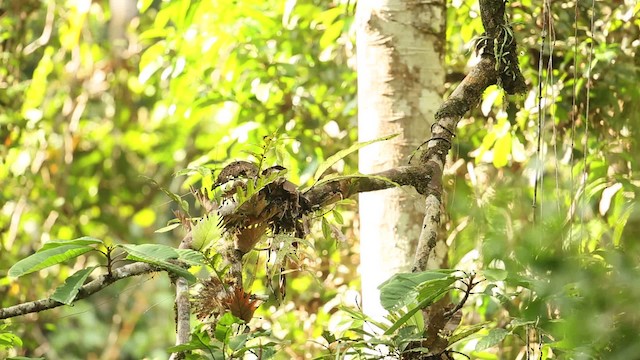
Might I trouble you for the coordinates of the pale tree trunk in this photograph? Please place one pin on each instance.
(400, 52)
(122, 12)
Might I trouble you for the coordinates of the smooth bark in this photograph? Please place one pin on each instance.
(400, 81)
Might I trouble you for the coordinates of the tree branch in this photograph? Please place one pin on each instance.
(86, 290)
(498, 64)
(183, 306)
(342, 188)
(466, 96)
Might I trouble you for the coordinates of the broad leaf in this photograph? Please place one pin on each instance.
(191, 346)
(360, 316)
(326, 230)
(191, 257)
(224, 325)
(342, 153)
(404, 288)
(494, 337)
(502, 150)
(238, 342)
(206, 231)
(167, 228)
(425, 302)
(9, 340)
(428, 288)
(85, 241)
(45, 258)
(495, 274)
(67, 292)
(466, 332)
(158, 254)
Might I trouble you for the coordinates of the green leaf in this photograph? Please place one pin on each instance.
(404, 288)
(502, 150)
(342, 153)
(9, 340)
(46, 258)
(158, 254)
(517, 322)
(189, 347)
(151, 251)
(326, 229)
(84, 241)
(285, 249)
(466, 332)
(328, 336)
(237, 342)
(338, 217)
(191, 257)
(435, 287)
(67, 292)
(421, 305)
(167, 228)
(206, 231)
(495, 274)
(224, 326)
(493, 338)
(359, 316)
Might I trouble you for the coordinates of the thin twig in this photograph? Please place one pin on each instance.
(470, 285)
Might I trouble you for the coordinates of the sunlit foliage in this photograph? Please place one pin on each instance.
(87, 119)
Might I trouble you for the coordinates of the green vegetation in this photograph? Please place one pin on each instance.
(101, 141)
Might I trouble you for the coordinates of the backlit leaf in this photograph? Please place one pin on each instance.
(67, 292)
(494, 337)
(46, 258)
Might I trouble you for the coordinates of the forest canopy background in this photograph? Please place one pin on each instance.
(87, 116)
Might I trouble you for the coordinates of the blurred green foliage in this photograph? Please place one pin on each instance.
(87, 119)
(566, 264)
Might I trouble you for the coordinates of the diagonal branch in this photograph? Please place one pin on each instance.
(86, 290)
(466, 96)
(501, 68)
(345, 187)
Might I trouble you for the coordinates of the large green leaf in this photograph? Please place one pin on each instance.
(191, 257)
(495, 274)
(155, 252)
(168, 228)
(404, 288)
(466, 332)
(428, 288)
(502, 150)
(45, 258)
(158, 255)
(67, 292)
(425, 302)
(206, 231)
(342, 153)
(494, 337)
(8, 340)
(85, 241)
